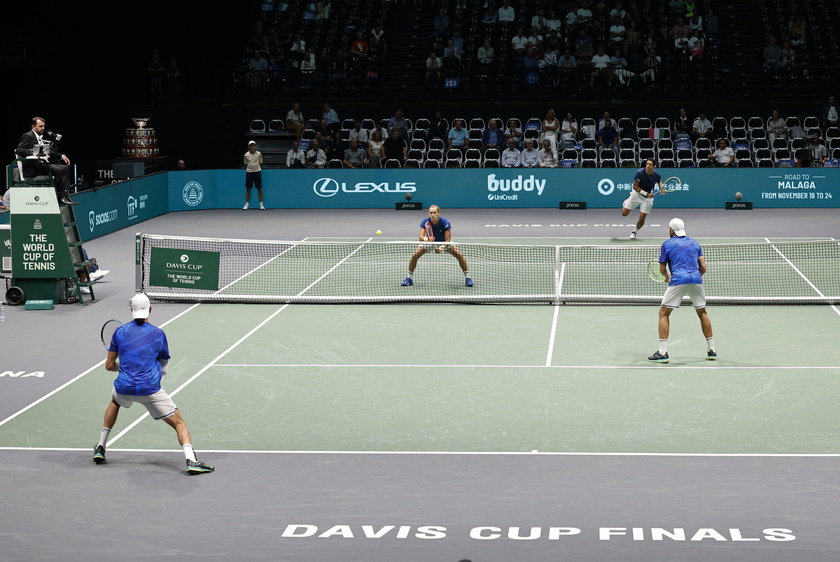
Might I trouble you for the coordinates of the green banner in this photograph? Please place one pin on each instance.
(39, 243)
(195, 269)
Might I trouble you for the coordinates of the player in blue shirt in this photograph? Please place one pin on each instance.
(682, 263)
(642, 196)
(139, 352)
(442, 232)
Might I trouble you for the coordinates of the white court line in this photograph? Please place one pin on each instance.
(550, 353)
(440, 453)
(71, 381)
(802, 275)
(201, 371)
(471, 366)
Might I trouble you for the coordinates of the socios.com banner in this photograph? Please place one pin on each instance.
(502, 188)
(120, 205)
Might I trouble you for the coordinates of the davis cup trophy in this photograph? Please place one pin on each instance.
(140, 142)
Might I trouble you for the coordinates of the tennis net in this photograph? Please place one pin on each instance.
(265, 271)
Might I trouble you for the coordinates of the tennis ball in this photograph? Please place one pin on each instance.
(378, 232)
(738, 196)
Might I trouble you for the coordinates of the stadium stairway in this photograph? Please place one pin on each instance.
(741, 47)
(408, 47)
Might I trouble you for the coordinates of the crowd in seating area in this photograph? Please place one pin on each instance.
(555, 140)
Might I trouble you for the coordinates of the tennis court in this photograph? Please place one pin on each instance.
(440, 431)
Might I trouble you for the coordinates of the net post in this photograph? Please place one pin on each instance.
(138, 262)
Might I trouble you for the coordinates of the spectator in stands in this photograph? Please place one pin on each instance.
(513, 132)
(618, 33)
(452, 68)
(530, 156)
(438, 126)
(377, 37)
(441, 25)
(361, 136)
(257, 71)
(296, 157)
(817, 152)
(458, 135)
(618, 65)
(723, 156)
(490, 16)
(535, 39)
(398, 123)
(772, 53)
(652, 65)
(583, 56)
(695, 22)
(329, 116)
(374, 149)
(297, 50)
(584, 17)
(155, 71)
(315, 157)
(354, 157)
(776, 128)
(511, 156)
(433, 68)
(798, 33)
(519, 42)
(548, 155)
(486, 55)
(788, 54)
(359, 49)
(453, 49)
(295, 123)
(712, 26)
(538, 20)
(395, 148)
(607, 136)
(634, 38)
(550, 127)
(831, 114)
(683, 125)
(696, 46)
(324, 142)
(674, 32)
(553, 23)
(493, 137)
(567, 69)
(682, 48)
(702, 127)
(568, 131)
(601, 73)
(506, 14)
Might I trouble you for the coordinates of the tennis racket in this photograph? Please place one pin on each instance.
(107, 332)
(653, 271)
(671, 184)
(430, 234)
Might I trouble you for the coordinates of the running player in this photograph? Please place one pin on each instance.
(442, 231)
(683, 257)
(642, 196)
(143, 354)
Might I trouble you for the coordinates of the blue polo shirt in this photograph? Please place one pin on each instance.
(139, 348)
(681, 254)
(439, 229)
(647, 182)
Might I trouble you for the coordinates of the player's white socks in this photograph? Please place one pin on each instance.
(189, 453)
(410, 274)
(663, 347)
(466, 274)
(711, 343)
(103, 436)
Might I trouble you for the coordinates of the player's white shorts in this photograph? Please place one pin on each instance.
(645, 204)
(159, 404)
(675, 293)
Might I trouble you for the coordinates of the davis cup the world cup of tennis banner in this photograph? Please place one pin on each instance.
(193, 269)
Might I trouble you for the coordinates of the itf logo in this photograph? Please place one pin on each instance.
(193, 193)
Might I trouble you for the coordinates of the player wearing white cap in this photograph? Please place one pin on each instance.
(682, 263)
(139, 352)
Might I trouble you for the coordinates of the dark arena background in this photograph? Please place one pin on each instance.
(352, 416)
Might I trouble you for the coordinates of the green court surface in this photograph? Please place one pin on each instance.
(468, 378)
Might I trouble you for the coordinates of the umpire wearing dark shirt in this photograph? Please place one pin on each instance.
(59, 163)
